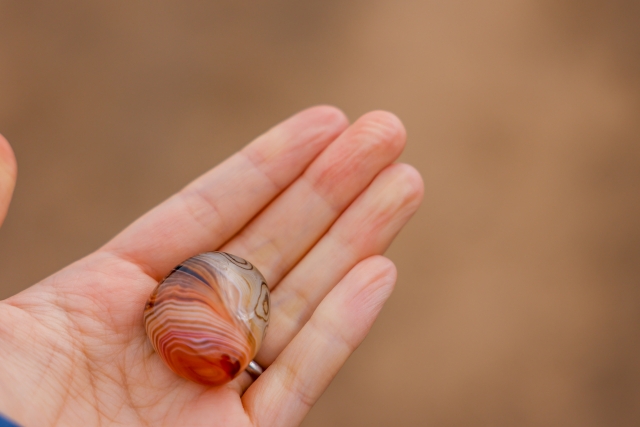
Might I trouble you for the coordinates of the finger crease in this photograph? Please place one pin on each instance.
(257, 167)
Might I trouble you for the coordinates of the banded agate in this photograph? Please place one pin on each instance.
(207, 319)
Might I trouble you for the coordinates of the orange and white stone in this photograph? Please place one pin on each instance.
(207, 319)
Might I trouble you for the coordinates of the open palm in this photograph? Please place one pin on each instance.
(311, 203)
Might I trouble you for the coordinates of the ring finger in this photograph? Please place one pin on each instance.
(366, 228)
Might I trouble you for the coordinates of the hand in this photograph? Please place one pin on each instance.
(311, 203)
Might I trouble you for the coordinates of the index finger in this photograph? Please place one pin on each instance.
(217, 205)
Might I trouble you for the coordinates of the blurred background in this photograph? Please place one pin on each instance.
(518, 300)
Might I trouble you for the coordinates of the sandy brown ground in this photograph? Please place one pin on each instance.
(519, 294)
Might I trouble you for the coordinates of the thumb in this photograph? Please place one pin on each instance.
(8, 171)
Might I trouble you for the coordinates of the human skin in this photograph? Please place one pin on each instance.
(313, 203)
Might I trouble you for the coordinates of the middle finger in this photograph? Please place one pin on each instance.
(277, 238)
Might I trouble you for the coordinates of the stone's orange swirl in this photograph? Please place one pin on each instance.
(207, 319)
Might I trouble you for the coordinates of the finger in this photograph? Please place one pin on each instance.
(285, 392)
(215, 206)
(241, 383)
(366, 228)
(277, 239)
(8, 172)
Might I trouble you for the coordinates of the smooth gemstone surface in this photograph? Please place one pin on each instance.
(207, 319)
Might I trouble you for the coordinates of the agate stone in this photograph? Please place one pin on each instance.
(207, 319)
